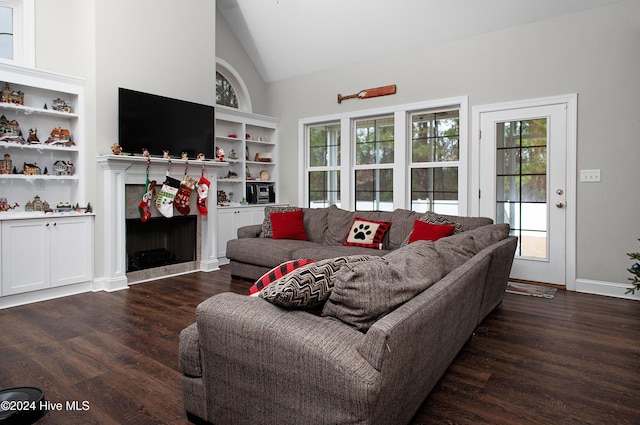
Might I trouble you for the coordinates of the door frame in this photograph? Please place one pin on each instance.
(571, 104)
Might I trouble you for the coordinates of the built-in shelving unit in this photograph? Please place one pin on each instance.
(250, 144)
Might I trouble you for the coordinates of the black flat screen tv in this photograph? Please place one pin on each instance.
(158, 123)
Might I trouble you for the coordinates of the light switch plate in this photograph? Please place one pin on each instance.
(590, 176)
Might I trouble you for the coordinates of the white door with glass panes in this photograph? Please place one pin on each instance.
(523, 182)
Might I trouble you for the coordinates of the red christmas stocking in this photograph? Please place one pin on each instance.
(203, 193)
(184, 195)
(147, 198)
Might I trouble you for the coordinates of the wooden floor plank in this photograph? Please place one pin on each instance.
(574, 359)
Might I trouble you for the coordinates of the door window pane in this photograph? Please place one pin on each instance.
(521, 195)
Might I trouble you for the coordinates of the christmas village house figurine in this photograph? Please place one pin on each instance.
(6, 165)
(31, 169)
(37, 205)
(33, 137)
(10, 96)
(61, 105)
(10, 131)
(62, 168)
(60, 137)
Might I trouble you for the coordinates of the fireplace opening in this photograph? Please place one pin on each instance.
(160, 242)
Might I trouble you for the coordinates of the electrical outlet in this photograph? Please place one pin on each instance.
(589, 176)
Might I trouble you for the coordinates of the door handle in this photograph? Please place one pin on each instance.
(559, 205)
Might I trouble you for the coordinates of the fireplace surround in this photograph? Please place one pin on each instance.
(121, 171)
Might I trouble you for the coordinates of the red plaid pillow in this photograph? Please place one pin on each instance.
(367, 233)
(276, 273)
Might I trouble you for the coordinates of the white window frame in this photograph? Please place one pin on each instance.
(401, 166)
(238, 85)
(23, 32)
(327, 168)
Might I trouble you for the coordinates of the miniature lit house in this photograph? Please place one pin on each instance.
(60, 137)
(10, 96)
(62, 168)
(6, 164)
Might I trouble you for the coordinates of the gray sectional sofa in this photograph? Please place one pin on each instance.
(389, 330)
(252, 255)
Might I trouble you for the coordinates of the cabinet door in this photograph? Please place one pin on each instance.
(243, 217)
(25, 256)
(71, 250)
(226, 231)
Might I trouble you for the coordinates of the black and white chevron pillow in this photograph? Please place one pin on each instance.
(309, 286)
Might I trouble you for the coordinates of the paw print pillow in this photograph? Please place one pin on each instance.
(367, 233)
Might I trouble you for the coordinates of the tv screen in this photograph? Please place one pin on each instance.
(158, 123)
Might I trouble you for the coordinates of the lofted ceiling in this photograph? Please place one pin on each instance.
(287, 38)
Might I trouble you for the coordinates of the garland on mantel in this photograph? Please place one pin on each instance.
(635, 271)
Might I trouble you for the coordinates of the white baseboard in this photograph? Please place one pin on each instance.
(44, 294)
(610, 289)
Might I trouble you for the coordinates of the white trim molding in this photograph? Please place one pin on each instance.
(571, 103)
(234, 78)
(610, 289)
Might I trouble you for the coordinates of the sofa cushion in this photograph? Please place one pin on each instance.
(288, 225)
(423, 231)
(276, 273)
(315, 223)
(366, 233)
(308, 287)
(267, 230)
(322, 252)
(363, 292)
(265, 252)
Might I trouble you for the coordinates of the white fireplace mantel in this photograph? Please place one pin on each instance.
(122, 170)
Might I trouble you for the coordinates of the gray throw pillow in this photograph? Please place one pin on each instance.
(364, 292)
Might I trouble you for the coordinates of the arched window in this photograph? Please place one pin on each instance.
(230, 89)
(225, 94)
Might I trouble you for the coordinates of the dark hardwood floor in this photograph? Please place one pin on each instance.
(574, 359)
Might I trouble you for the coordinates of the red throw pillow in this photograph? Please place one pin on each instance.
(430, 232)
(367, 233)
(288, 225)
(276, 273)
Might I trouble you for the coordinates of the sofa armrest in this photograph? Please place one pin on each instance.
(259, 353)
(251, 231)
(189, 356)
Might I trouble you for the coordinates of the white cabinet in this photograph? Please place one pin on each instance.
(230, 219)
(250, 144)
(45, 253)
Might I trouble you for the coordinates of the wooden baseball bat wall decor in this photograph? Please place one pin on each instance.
(367, 93)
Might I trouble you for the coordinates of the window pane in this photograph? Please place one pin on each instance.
(521, 183)
(225, 95)
(435, 189)
(324, 188)
(435, 137)
(374, 190)
(324, 145)
(6, 32)
(374, 141)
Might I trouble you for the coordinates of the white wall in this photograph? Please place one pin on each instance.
(231, 51)
(593, 53)
(156, 46)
